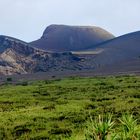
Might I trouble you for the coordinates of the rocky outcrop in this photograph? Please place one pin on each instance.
(120, 53)
(17, 57)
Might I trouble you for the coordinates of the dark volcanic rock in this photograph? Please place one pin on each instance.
(119, 50)
(60, 38)
(118, 54)
(18, 57)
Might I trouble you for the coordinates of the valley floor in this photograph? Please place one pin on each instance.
(62, 108)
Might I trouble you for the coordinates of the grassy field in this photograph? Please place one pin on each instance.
(67, 108)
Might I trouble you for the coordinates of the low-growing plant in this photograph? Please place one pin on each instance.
(9, 79)
(104, 128)
(25, 83)
(129, 129)
(100, 128)
(59, 109)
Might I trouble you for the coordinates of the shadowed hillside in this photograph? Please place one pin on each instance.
(120, 54)
(18, 57)
(61, 38)
(122, 49)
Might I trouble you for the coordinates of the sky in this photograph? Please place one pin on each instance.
(27, 19)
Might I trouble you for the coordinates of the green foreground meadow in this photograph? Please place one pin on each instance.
(72, 109)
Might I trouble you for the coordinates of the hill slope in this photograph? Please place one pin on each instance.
(60, 38)
(119, 50)
(17, 57)
(116, 55)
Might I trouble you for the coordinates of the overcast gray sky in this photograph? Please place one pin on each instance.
(27, 19)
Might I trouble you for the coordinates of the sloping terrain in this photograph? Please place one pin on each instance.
(60, 38)
(61, 109)
(17, 57)
(119, 50)
(121, 54)
(118, 54)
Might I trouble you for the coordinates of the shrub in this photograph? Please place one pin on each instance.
(129, 129)
(24, 83)
(103, 128)
(100, 128)
(9, 79)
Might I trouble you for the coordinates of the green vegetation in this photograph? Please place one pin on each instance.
(71, 109)
(9, 79)
(104, 128)
(100, 129)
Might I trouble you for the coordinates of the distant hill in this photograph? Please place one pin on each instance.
(60, 38)
(118, 50)
(18, 57)
(120, 54)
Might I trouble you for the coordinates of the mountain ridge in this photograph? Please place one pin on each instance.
(19, 57)
(122, 48)
(60, 38)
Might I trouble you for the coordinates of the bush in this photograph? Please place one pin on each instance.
(129, 128)
(9, 79)
(103, 128)
(100, 128)
(24, 83)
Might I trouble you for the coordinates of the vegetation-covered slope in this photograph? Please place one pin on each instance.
(60, 109)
